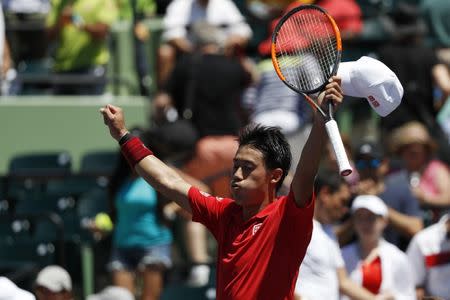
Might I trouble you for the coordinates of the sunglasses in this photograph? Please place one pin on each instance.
(368, 164)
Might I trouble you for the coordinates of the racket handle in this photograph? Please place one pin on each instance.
(336, 141)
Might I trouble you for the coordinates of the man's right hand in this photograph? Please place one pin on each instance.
(114, 119)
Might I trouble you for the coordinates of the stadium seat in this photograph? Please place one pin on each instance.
(181, 291)
(28, 240)
(99, 162)
(41, 164)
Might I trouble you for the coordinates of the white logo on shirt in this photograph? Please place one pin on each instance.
(256, 228)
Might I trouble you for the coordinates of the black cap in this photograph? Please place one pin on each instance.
(368, 149)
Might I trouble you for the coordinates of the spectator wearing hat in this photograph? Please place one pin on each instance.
(374, 263)
(322, 274)
(429, 178)
(10, 291)
(404, 215)
(429, 255)
(53, 283)
(112, 293)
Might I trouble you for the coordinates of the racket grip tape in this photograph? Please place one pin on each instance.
(336, 141)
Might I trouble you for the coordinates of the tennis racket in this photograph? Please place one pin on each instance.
(306, 51)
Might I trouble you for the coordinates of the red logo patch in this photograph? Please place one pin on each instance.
(373, 101)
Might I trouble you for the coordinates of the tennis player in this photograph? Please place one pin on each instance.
(262, 239)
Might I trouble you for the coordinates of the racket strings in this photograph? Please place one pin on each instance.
(306, 49)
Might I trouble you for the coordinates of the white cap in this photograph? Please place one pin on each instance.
(112, 293)
(10, 291)
(371, 203)
(54, 278)
(371, 79)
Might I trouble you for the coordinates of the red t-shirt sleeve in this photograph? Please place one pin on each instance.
(207, 209)
(292, 208)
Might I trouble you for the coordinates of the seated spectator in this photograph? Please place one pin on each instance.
(404, 215)
(429, 256)
(53, 283)
(429, 178)
(25, 23)
(9, 291)
(80, 28)
(182, 14)
(375, 264)
(322, 274)
(112, 293)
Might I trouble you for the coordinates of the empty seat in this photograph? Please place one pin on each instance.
(41, 164)
(99, 162)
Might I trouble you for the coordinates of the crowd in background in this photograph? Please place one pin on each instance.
(383, 232)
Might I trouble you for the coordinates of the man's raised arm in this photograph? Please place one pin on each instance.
(160, 176)
(303, 181)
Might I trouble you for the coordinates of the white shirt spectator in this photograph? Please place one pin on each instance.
(429, 254)
(396, 272)
(318, 272)
(222, 13)
(27, 6)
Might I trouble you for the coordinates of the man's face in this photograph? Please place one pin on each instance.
(335, 203)
(250, 178)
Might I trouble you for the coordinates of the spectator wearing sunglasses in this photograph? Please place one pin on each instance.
(404, 215)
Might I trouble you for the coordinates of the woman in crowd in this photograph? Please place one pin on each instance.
(374, 263)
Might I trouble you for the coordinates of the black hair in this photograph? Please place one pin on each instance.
(271, 143)
(330, 179)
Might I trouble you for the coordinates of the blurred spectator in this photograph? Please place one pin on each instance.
(347, 15)
(417, 76)
(112, 293)
(429, 256)
(377, 265)
(322, 274)
(25, 23)
(53, 283)
(137, 11)
(404, 212)
(142, 241)
(80, 28)
(206, 89)
(9, 291)
(272, 103)
(429, 178)
(181, 15)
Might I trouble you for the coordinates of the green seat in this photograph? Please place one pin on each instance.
(73, 186)
(181, 291)
(41, 164)
(27, 240)
(99, 162)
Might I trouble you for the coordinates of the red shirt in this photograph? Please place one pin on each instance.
(258, 258)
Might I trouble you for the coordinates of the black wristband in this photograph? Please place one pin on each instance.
(128, 136)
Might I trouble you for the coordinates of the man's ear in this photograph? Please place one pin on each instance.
(276, 175)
